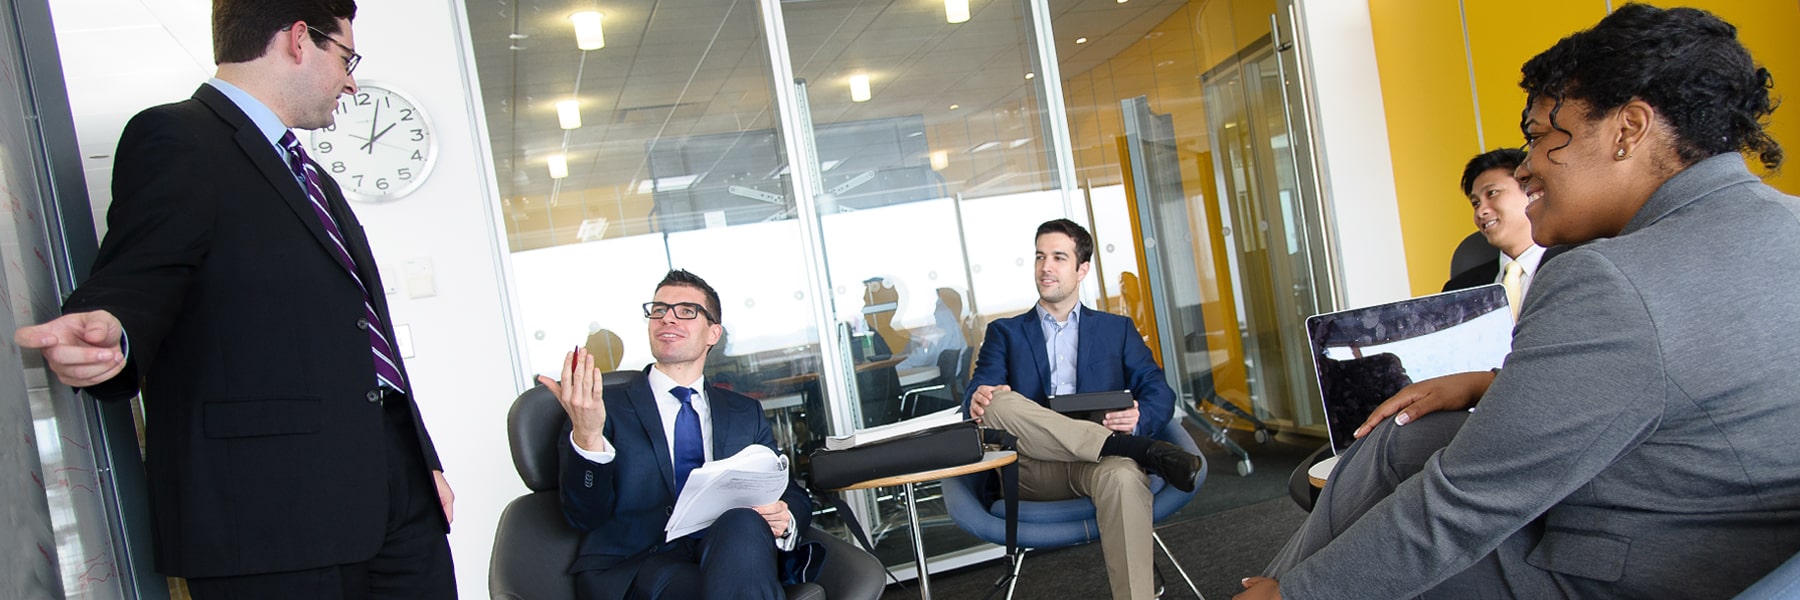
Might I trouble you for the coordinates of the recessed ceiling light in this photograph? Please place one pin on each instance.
(588, 35)
(956, 11)
(859, 88)
(1081, 40)
(1030, 75)
(559, 166)
(568, 114)
(955, 106)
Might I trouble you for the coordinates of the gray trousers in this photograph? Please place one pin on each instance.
(1059, 459)
(1368, 472)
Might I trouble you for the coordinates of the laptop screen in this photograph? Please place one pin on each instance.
(1365, 355)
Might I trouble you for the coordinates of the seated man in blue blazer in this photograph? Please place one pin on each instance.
(1062, 347)
(631, 452)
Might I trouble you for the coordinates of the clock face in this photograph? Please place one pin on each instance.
(381, 146)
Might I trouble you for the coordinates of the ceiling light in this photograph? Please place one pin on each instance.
(956, 11)
(955, 106)
(1081, 40)
(559, 166)
(587, 30)
(568, 114)
(940, 159)
(1030, 75)
(1018, 142)
(983, 146)
(859, 88)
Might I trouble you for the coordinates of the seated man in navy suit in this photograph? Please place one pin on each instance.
(1062, 347)
(631, 452)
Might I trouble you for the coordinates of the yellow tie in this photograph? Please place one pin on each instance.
(1511, 282)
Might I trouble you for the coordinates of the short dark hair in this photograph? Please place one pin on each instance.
(1504, 158)
(1084, 243)
(683, 278)
(1686, 63)
(242, 28)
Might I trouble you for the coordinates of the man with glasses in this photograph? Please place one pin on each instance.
(629, 455)
(236, 292)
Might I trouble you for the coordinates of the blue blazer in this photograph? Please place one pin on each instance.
(623, 506)
(1109, 356)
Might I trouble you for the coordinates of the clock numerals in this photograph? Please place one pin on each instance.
(380, 145)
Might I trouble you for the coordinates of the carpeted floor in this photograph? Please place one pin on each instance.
(1229, 531)
(1217, 550)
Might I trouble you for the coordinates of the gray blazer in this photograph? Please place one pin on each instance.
(1643, 440)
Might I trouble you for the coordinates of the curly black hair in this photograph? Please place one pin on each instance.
(1504, 158)
(1686, 63)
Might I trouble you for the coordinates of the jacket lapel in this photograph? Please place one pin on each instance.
(271, 163)
(643, 401)
(1034, 337)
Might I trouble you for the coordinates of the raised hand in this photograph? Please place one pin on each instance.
(579, 391)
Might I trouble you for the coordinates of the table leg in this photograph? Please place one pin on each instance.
(912, 518)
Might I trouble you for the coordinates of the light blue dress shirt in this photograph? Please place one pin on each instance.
(1060, 342)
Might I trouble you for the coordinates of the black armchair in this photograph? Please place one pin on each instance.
(534, 545)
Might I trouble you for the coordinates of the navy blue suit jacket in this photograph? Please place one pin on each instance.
(623, 506)
(1109, 356)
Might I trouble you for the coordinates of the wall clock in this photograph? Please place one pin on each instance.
(381, 147)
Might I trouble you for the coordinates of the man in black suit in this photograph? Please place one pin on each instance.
(1498, 202)
(235, 290)
(629, 455)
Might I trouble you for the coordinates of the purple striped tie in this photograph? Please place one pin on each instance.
(387, 370)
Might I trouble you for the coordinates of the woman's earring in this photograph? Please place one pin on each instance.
(1620, 155)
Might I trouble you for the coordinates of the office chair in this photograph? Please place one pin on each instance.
(534, 544)
(1474, 251)
(945, 391)
(1054, 524)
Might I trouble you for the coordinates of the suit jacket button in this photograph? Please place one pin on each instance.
(362, 323)
(374, 395)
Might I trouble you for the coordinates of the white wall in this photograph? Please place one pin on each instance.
(1352, 143)
(463, 369)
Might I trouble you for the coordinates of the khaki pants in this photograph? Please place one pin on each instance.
(1059, 459)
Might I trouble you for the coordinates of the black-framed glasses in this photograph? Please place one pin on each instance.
(349, 63)
(686, 311)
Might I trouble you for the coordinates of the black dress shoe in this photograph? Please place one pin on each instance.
(1175, 465)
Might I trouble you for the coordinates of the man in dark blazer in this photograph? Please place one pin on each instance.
(629, 453)
(236, 292)
(1061, 347)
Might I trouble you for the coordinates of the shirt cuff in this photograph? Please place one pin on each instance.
(599, 457)
(788, 540)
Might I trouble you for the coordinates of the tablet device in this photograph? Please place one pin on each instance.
(1091, 405)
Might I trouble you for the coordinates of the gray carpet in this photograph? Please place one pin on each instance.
(1229, 531)
(1217, 550)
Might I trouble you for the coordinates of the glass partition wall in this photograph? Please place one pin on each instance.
(860, 180)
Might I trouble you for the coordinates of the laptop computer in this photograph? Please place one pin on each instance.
(1363, 356)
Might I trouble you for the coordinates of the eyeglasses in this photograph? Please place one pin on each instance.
(350, 62)
(686, 311)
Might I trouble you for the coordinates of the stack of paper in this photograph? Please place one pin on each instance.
(755, 476)
(891, 430)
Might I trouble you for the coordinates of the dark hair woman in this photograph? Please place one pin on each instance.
(1640, 441)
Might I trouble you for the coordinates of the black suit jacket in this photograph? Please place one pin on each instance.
(622, 506)
(248, 341)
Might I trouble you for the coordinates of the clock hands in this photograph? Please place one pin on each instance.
(373, 137)
(374, 121)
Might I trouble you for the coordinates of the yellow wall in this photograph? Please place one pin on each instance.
(1434, 119)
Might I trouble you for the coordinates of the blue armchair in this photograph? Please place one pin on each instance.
(1045, 525)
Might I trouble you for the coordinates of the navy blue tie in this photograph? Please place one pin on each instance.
(690, 450)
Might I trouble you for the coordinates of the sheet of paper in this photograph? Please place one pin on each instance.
(913, 425)
(755, 476)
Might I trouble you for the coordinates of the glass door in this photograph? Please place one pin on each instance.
(1278, 250)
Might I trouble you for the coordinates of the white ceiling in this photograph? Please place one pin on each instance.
(670, 68)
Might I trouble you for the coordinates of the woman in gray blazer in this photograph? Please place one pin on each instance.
(1640, 442)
